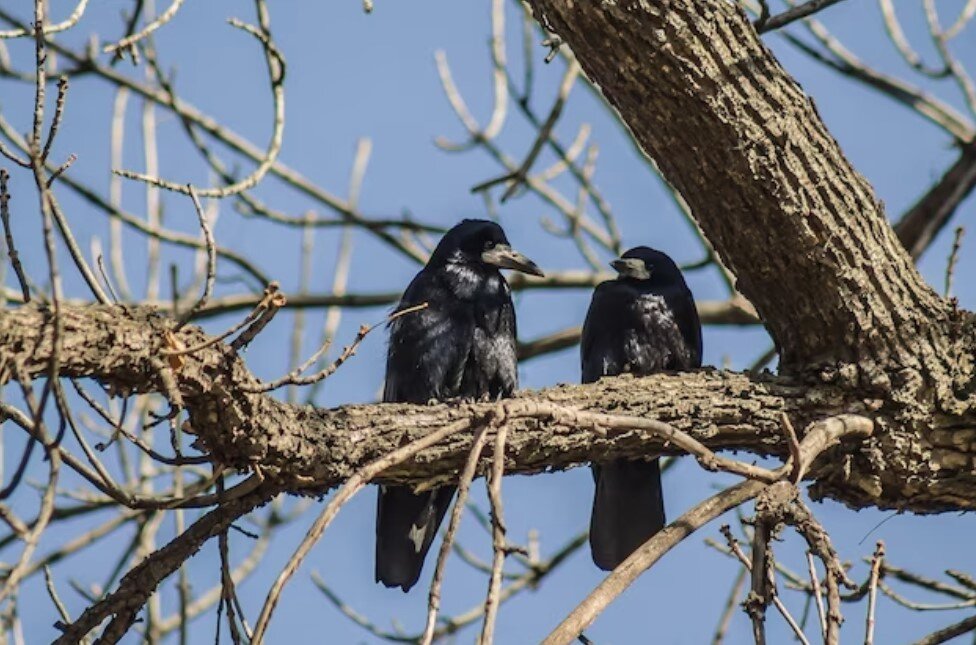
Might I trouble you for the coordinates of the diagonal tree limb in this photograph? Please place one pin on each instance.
(140, 582)
(919, 226)
(644, 557)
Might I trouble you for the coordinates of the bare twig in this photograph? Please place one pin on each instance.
(53, 593)
(497, 538)
(956, 70)
(948, 633)
(762, 592)
(962, 578)
(796, 13)
(817, 439)
(817, 594)
(361, 620)
(763, 17)
(876, 562)
(953, 258)
(967, 13)
(840, 59)
(518, 177)
(56, 123)
(116, 255)
(888, 569)
(897, 36)
(920, 225)
(60, 170)
(211, 259)
(794, 446)
(8, 235)
(464, 484)
(276, 69)
(645, 556)
(124, 604)
(129, 41)
(294, 377)
(758, 618)
(64, 25)
(274, 301)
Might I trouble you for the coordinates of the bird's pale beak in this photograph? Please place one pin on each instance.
(505, 257)
(631, 268)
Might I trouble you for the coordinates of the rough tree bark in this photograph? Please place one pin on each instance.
(799, 227)
(858, 329)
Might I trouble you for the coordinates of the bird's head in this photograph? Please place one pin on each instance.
(645, 264)
(478, 243)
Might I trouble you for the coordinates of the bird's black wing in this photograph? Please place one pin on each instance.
(426, 360)
(506, 350)
(682, 304)
(428, 348)
(601, 353)
(491, 370)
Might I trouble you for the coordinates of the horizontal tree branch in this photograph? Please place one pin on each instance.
(305, 449)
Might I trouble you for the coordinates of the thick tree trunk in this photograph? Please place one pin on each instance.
(799, 227)
(771, 189)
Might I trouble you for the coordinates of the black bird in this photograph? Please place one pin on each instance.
(642, 322)
(462, 345)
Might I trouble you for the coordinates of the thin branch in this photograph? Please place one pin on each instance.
(129, 41)
(8, 234)
(953, 258)
(842, 60)
(956, 70)
(211, 259)
(56, 123)
(758, 618)
(948, 633)
(449, 625)
(645, 556)
(64, 25)
(497, 537)
(817, 594)
(53, 593)
(464, 483)
(294, 377)
(897, 36)
(796, 13)
(276, 70)
(967, 13)
(519, 176)
(817, 439)
(876, 562)
(920, 225)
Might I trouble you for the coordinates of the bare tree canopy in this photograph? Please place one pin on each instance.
(180, 377)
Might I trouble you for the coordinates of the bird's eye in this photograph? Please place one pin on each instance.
(489, 244)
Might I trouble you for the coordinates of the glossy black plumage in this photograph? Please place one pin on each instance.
(642, 322)
(462, 345)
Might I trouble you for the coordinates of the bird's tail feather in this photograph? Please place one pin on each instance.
(406, 523)
(628, 508)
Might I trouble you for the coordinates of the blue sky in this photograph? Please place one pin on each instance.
(352, 75)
